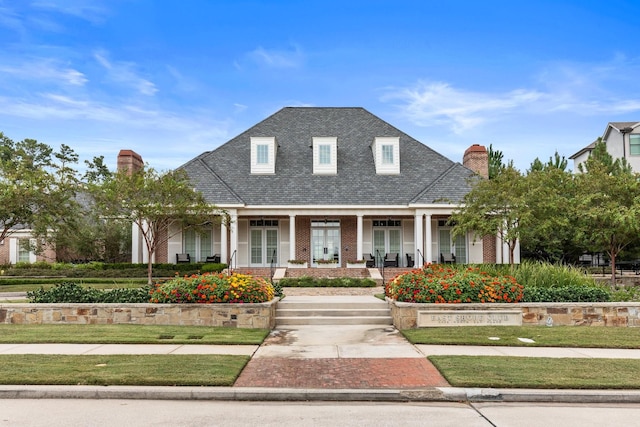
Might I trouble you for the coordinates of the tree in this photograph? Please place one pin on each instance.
(608, 211)
(494, 207)
(550, 198)
(152, 201)
(495, 162)
(37, 188)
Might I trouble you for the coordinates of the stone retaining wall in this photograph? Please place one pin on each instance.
(229, 315)
(405, 315)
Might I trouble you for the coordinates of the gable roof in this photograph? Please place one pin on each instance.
(618, 126)
(224, 177)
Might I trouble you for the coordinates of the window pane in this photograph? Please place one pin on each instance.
(461, 250)
(272, 245)
(256, 246)
(325, 154)
(394, 241)
(263, 154)
(205, 244)
(634, 144)
(23, 250)
(387, 154)
(378, 243)
(190, 243)
(445, 242)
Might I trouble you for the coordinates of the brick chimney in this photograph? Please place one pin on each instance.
(476, 158)
(129, 160)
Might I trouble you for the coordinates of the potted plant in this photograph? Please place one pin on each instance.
(356, 263)
(327, 263)
(296, 263)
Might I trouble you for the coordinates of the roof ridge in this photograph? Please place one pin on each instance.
(435, 181)
(212, 172)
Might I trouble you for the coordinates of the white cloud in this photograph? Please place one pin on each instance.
(274, 58)
(438, 103)
(88, 10)
(45, 69)
(124, 73)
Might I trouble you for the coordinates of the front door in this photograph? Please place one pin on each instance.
(264, 246)
(325, 241)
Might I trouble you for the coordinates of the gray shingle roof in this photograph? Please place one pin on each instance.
(224, 176)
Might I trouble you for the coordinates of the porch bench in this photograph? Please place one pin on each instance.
(183, 258)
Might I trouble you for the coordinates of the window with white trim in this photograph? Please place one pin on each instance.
(325, 155)
(263, 155)
(634, 144)
(386, 155)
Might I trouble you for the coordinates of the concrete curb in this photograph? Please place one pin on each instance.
(436, 394)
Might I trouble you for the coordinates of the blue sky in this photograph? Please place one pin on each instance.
(172, 79)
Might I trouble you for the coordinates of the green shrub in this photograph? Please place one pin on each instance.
(213, 267)
(70, 292)
(213, 288)
(325, 282)
(568, 293)
(437, 283)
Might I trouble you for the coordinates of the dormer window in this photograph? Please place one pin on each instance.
(386, 154)
(263, 155)
(325, 155)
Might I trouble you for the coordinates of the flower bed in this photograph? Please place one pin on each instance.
(213, 288)
(436, 283)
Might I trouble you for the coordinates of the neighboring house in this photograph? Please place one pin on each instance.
(17, 247)
(622, 140)
(339, 184)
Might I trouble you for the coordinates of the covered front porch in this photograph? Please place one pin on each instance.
(335, 238)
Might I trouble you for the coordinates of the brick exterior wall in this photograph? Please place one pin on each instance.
(303, 238)
(162, 252)
(4, 252)
(348, 239)
(489, 249)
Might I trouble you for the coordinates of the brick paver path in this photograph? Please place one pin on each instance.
(340, 373)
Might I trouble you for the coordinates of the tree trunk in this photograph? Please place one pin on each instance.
(613, 268)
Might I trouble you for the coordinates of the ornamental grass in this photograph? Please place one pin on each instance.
(436, 283)
(211, 288)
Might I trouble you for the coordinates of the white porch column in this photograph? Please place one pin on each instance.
(234, 235)
(292, 237)
(419, 234)
(224, 255)
(359, 237)
(428, 240)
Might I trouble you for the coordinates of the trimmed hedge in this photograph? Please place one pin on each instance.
(569, 293)
(104, 270)
(69, 292)
(324, 282)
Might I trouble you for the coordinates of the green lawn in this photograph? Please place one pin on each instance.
(129, 334)
(538, 372)
(557, 336)
(152, 370)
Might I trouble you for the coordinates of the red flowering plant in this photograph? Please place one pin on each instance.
(435, 283)
(210, 288)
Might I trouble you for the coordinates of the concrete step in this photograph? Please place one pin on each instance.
(333, 311)
(285, 305)
(376, 320)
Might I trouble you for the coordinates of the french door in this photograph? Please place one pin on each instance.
(450, 245)
(325, 241)
(387, 240)
(264, 246)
